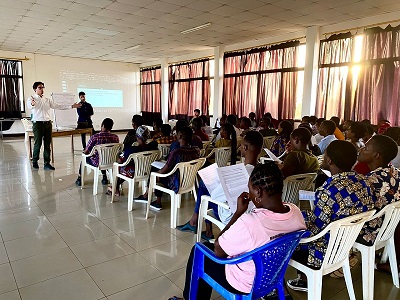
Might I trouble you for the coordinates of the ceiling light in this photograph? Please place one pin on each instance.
(196, 28)
(133, 47)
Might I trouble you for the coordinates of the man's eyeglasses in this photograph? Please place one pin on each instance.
(40, 87)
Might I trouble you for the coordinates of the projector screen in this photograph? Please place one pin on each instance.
(103, 98)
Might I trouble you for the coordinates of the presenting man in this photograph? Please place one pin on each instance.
(85, 112)
(42, 125)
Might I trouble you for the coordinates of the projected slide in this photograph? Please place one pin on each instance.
(103, 98)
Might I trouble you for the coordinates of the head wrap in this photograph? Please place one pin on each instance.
(142, 133)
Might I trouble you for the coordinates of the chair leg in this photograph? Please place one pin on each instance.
(393, 262)
(144, 186)
(202, 212)
(173, 209)
(82, 175)
(367, 260)
(314, 285)
(149, 195)
(95, 181)
(131, 194)
(113, 188)
(349, 282)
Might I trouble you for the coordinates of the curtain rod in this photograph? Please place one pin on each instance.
(361, 27)
(150, 67)
(14, 58)
(266, 45)
(190, 60)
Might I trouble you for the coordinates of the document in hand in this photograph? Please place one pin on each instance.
(272, 156)
(211, 180)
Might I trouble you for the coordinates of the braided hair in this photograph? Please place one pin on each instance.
(269, 177)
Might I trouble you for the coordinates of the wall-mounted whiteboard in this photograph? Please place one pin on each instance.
(67, 117)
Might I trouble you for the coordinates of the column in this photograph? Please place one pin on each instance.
(164, 90)
(218, 83)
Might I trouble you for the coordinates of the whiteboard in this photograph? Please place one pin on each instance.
(68, 117)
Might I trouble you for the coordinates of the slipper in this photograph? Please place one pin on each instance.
(109, 192)
(141, 199)
(175, 298)
(187, 227)
(205, 237)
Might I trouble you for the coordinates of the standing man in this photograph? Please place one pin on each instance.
(85, 112)
(42, 125)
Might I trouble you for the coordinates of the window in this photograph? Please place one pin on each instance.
(150, 87)
(11, 89)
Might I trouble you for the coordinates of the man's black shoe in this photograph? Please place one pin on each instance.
(35, 165)
(49, 167)
(78, 182)
(104, 181)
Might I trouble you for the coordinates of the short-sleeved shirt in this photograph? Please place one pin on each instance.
(181, 154)
(385, 185)
(253, 230)
(324, 143)
(223, 143)
(202, 135)
(166, 139)
(103, 137)
(303, 161)
(342, 195)
(338, 134)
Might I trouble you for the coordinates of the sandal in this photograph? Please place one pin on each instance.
(109, 192)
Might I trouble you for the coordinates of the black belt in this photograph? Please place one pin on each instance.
(42, 122)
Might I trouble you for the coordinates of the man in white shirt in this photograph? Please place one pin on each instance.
(42, 125)
(326, 130)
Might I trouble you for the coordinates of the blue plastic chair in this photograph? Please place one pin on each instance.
(271, 261)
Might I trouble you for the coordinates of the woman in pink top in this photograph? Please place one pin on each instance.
(247, 231)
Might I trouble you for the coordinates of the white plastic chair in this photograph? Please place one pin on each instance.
(204, 215)
(268, 141)
(222, 156)
(343, 234)
(28, 126)
(187, 175)
(142, 161)
(293, 184)
(164, 148)
(108, 154)
(384, 239)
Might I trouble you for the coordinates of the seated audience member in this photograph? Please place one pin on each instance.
(265, 127)
(338, 134)
(142, 135)
(345, 126)
(185, 152)
(369, 133)
(222, 121)
(103, 137)
(382, 126)
(166, 137)
(355, 133)
(195, 141)
(196, 114)
(384, 179)
(232, 119)
(250, 149)
(313, 121)
(245, 124)
(156, 133)
(248, 231)
(299, 159)
(305, 119)
(197, 123)
(228, 139)
(285, 128)
(317, 136)
(274, 122)
(252, 117)
(344, 194)
(362, 167)
(207, 129)
(130, 138)
(394, 133)
(326, 129)
(312, 145)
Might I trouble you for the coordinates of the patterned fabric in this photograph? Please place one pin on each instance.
(181, 154)
(166, 139)
(385, 185)
(129, 169)
(278, 146)
(142, 132)
(103, 137)
(342, 195)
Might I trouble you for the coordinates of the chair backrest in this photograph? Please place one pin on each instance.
(206, 144)
(293, 184)
(390, 222)
(108, 154)
(343, 234)
(268, 141)
(187, 174)
(202, 153)
(28, 126)
(164, 148)
(222, 156)
(143, 161)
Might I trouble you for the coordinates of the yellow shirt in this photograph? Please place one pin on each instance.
(338, 134)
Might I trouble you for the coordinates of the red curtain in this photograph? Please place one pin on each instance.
(151, 94)
(11, 98)
(261, 80)
(189, 89)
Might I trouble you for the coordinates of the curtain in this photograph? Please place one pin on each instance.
(189, 85)
(11, 97)
(150, 86)
(262, 80)
(377, 93)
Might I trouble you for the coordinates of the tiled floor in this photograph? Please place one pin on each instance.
(61, 242)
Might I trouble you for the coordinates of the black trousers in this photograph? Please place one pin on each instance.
(42, 133)
(216, 271)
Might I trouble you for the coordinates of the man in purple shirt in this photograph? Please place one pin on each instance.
(103, 137)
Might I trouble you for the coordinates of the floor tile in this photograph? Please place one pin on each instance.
(178, 277)
(3, 254)
(45, 266)
(38, 226)
(72, 219)
(57, 208)
(19, 215)
(147, 291)
(13, 295)
(121, 273)
(168, 257)
(127, 223)
(76, 285)
(34, 245)
(84, 233)
(102, 250)
(7, 281)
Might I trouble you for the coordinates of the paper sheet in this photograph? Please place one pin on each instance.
(234, 180)
(158, 164)
(272, 156)
(211, 180)
(327, 173)
(306, 195)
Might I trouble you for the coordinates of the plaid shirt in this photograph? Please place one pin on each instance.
(166, 139)
(103, 137)
(342, 195)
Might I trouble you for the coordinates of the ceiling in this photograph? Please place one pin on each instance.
(104, 29)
